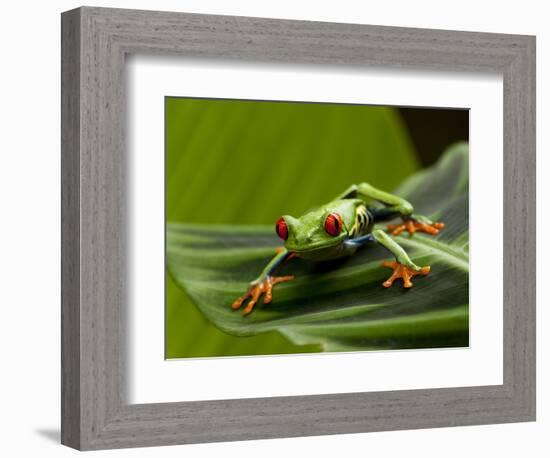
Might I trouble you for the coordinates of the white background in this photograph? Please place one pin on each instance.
(156, 380)
(29, 228)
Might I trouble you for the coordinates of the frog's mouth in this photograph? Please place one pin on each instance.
(320, 251)
(313, 248)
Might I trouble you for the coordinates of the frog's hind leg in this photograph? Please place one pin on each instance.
(367, 193)
(415, 224)
(393, 206)
(411, 224)
(402, 267)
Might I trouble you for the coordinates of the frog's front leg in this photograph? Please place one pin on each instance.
(402, 267)
(264, 283)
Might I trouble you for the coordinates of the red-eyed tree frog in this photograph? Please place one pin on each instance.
(338, 229)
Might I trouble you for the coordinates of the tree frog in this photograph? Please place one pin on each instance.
(338, 229)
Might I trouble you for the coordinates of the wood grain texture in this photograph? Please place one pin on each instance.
(95, 410)
(70, 229)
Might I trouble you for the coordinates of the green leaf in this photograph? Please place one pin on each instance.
(248, 162)
(341, 305)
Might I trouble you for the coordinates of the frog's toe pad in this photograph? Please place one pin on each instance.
(403, 272)
(256, 290)
(412, 226)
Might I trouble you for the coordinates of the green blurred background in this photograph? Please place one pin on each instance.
(248, 162)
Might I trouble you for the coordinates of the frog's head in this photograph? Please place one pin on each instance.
(322, 228)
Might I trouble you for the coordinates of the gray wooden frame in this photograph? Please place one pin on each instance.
(95, 41)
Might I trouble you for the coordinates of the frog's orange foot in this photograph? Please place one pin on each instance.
(403, 272)
(264, 287)
(412, 226)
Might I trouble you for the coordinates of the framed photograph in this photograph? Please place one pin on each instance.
(278, 228)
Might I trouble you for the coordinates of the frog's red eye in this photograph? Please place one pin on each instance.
(281, 228)
(333, 224)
